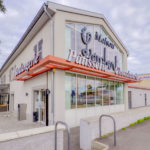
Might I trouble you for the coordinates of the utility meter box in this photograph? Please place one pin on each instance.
(22, 111)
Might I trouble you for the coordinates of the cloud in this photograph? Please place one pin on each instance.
(130, 20)
(133, 61)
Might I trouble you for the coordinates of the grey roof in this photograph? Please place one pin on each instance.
(53, 7)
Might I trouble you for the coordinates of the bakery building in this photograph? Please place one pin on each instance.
(68, 65)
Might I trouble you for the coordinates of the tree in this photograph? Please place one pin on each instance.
(2, 7)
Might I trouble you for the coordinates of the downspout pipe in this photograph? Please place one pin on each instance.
(45, 9)
(52, 75)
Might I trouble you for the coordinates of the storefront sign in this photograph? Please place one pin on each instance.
(87, 58)
(103, 40)
(87, 38)
(37, 57)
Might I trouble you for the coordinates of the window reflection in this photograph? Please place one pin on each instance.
(79, 45)
(112, 93)
(119, 93)
(70, 90)
(97, 46)
(105, 92)
(90, 92)
(81, 91)
(99, 91)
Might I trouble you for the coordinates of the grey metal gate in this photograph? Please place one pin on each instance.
(100, 121)
(68, 133)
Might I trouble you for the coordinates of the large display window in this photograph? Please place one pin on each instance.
(85, 91)
(73, 41)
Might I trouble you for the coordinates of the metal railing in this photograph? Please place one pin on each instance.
(100, 132)
(68, 133)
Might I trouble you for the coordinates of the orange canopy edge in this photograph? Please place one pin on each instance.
(53, 62)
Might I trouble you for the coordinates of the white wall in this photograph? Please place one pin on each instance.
(59, 95)
(138, 97)
(21, 88)
(73, 116)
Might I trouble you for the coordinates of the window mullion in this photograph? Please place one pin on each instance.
(86, 90)
(76, 90)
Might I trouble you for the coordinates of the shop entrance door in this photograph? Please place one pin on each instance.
(4, 102)
(39, 114)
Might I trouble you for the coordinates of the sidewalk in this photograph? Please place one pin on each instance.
(9, 123)
(89, 127)
(133, 138)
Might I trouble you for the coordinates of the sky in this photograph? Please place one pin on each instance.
(130, 19)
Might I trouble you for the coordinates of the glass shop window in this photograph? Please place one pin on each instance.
(70, 37)
(90, 29)
(105, 92)
(90, 84)
(81, 91)
(73, 41)
(119, 93)
(112, 93)
(97, 46)
(99, 91)
(119, 58)
(70, 90)
(78, 42)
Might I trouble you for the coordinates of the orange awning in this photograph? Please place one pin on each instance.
(2, 105)
(52, 62)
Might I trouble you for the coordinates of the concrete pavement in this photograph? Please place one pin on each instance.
(9, 123)
(133, 138)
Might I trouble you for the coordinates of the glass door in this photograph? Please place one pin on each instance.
(39, 106)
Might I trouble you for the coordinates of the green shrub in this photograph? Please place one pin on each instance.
(104, 136)
(145, 118)
(140, 120)
(124, 128)
(133, 124)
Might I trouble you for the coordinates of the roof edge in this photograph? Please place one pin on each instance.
(138, 87)
(35, 19)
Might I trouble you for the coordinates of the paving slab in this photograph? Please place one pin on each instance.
(74, 138)
(133, 138)
(9, 123)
